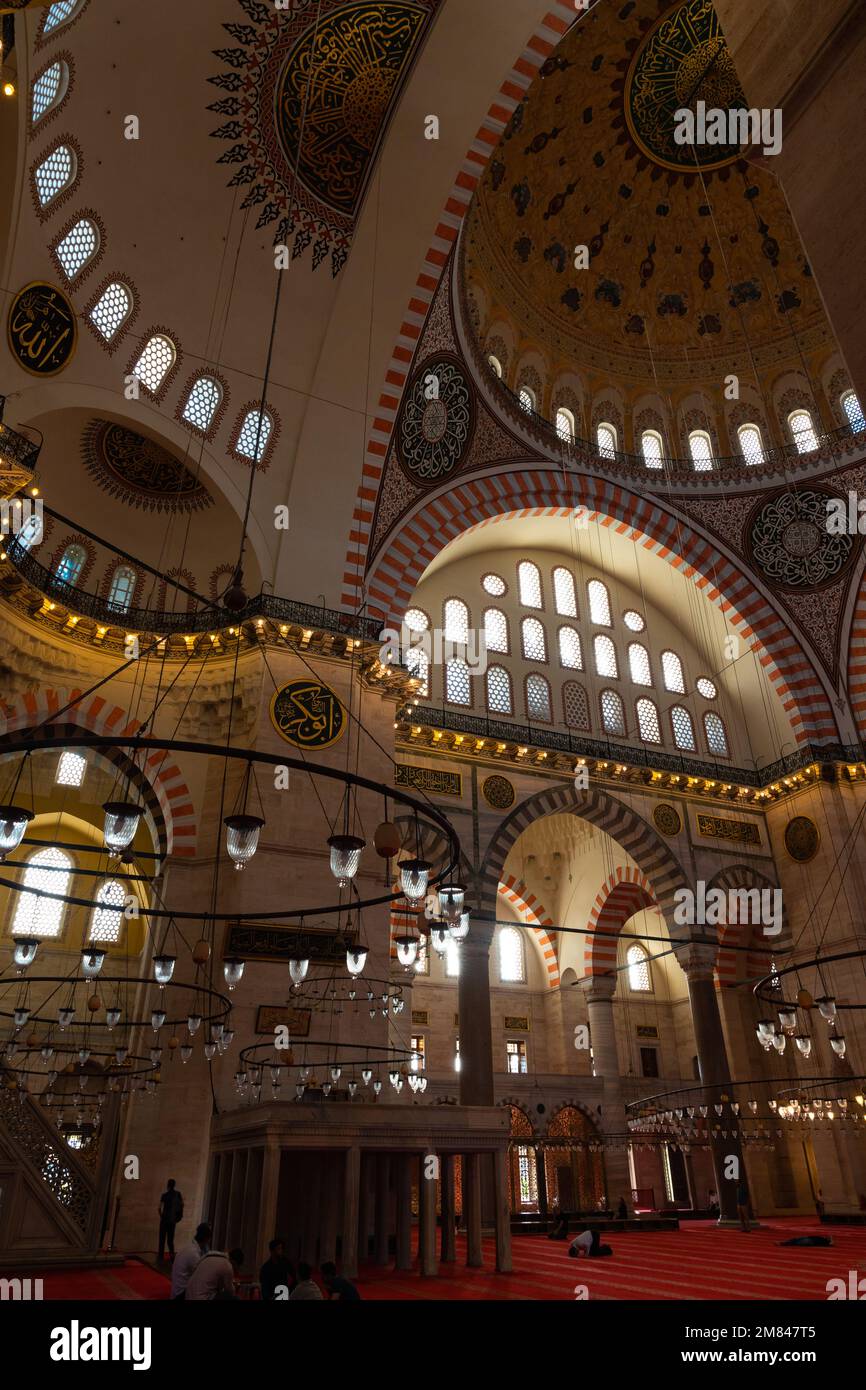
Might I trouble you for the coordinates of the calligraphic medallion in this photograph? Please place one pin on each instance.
(41, 329)
(802, 839)
(308, 714)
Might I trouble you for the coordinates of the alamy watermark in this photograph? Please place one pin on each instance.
(434, 648)
(22, 516)
(713, 907)
(738, 126)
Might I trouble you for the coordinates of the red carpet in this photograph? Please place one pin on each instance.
(131, 1280)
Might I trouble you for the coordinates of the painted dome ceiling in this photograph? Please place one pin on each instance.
(694, 269)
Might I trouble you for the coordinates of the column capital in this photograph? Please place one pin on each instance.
(598, 987)
(481, 933)
(697, 961)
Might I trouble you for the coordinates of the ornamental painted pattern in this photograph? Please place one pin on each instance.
(138, 471)
(437, 422)
(790, 543)
(739, 832)
(309, 97)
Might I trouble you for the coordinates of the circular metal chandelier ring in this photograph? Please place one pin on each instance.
(95, 985)
(766, 983)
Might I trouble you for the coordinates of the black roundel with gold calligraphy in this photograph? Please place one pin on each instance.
(307, 714)
(41, 329)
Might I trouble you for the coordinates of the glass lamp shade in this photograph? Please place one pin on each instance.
(233, 970)
(336, 1073)
(399, 1085)
(156, 1054)
(377, 1086)
(414, 877)
(407, 950)
(326, 1088)
(393, 1076)
(228, 1036)
(766, 1028)
(210, 1050)
(345, 857)
(157, 1019)
(399, 1005)
(47, 1053)
(839, 1046)
(440, 936)
(121, 823)
(121, 1054)
(827, 1007)
(14, 820)
(21, 1017)
(356, 959)
(366, 1075)
(779, 1042)
(353, 1088)
(422, 1084)
(298, 969)
(163, 968)
(242, 837)
(451, 898)
(217, 1030)
(193, 1023)
(65, 1017)
(185, 1052)
(788, 1018)
(112, 1018)
(299, 1091)
(24, 952)
(83, 1055)
(459, 930)
(804, 1043)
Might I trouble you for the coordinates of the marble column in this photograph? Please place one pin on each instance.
(599, 991)
(503, 1212)
(427, 1222)
(268, 1201)
(472, 1208)
(476, 1046)
(697, 963)
(404, 1164)
(351, 1211)
(448, 1249)
(367, 1205)
(383, 1209)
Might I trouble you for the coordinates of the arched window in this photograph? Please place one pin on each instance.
(456, 621)
(612, 713)
(850, 403)
(154, 362)
(512, 968)
(48, 871)
(526, 397)
(639, 979)
(672, 670)
(56, 172)
(494, 585)
(606, 439)
(107, 917)
(495, 630)
(599, 603)
(416, 620)
(706, 688)
(58, 14)
(751, 444)
(202, 403)
(418, 662)
(253, 438)
(639, 664)
(717, 739)
(565, 425)
(499, 700)
(648, 722)
(122, 589)
(78, 247)
(701, 448)
(652, 448)
(496, 365)
(570, 651)
(111, 310)
(534, 640)
(802, 431)
(529, 584)
(70, 770)
(538, 698)
(48, 90)
(683, 729)
(564, 592)
(575, 706)
(71, 564)
(30, 533)
(633, 620)
(458, 690)
(605, 656)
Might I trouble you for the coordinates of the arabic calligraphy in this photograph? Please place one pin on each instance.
(307, 714)
(741, 832)
(41, 329)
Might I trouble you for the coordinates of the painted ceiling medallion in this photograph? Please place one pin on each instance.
(790, 544)
(139, 471)
(436, 423)
(683, 60)
(310, 95)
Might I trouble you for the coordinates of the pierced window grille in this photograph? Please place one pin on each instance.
(111, 310)
(701, 450)
(70, 770)
(564, 592)
(202, 403)
(496, 630)
(538, 698)
(565, 425)
(48, 89)
(672, 671)
(155, 361)
(78, 247)
(529, 584)
(802, 431)
(639, 664)
(250, 431)
(612, 713)
(717, 739)
(751, 444)
(707, 688)
(457, 686)
(648, 722)
(456, 621)
(534, 641)
(638, 970)
(58, 14)
(606, 440)
(512, 970)
(55, 173)
(605, 657)
(599, 603)
(493, 584)
(418, 664)
(71, 564)
(526, 399)
(651, 447)
(570, 651)
(576, 706)
(48, 871)
(499, 699)
(105, 923)
(684, 729)
(853, 409)
(122, 589)
(416, 620)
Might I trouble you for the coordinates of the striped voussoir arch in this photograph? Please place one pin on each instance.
(547, 492)
(556, 22)
(163, 786)
(609, 815)
(515, 891)
(623, 894)
(733, 966)
(857, 663)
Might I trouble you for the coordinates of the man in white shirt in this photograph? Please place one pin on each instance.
(214, 1276)
(187, 1259)
(582, 1244)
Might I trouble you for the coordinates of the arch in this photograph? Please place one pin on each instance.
(163, 786)
(401, 561)
(633, 834)
(727, 969)
(521, 1122)
(857, 663)
(573, 1120)
(624, 893)
(515, 891)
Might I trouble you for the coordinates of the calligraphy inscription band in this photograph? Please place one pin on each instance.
(41, 329)
(307, 714)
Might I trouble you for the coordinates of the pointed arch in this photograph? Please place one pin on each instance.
(733, 966)
(625, 892)
(515, 891)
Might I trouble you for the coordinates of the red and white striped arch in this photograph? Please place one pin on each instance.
(857, 663)
(174, 813)
(515, 891)
(733, 964)
(625, 892)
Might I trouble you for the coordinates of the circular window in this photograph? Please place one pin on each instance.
(633, 621)
(416, 620)
(707, 689)
(493, 584)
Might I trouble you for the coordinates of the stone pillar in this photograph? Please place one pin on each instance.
(697, 963)
(476, 1045)
(404, 1164)
(367, 1206)
(503, 1212)
(447, 1203)
(268, 1201)
(541, 1181)
(351, 1210)
(427, 1222)
(472, 1208)
(383, 1208)
(599, 991)
(329, 1218)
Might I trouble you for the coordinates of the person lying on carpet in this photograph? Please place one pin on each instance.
(588, 1243)
(807, 1240)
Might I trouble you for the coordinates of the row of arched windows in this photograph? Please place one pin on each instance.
(70, 567)
(50, 871)
(456, 617)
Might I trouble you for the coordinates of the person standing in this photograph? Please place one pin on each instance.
(188, 1259)
(170, 1212)
(743, 1204)
(277, 1271)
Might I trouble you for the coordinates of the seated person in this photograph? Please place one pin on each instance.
(277, 1271)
